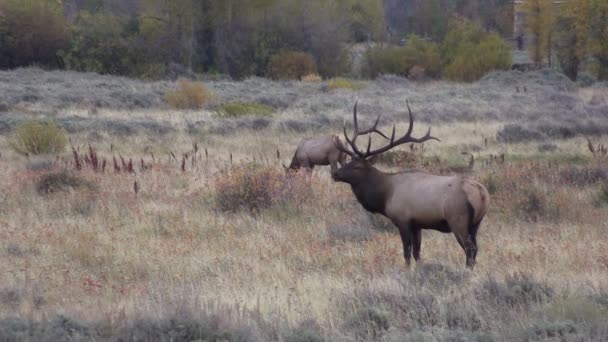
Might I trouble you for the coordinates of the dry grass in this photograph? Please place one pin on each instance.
(120, 256)
(308, 262)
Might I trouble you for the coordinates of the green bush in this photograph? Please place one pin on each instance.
(292, 65)
(343, 83)
(235, 109)
(112, 44)
(38, 138)
(468, 52)
(416, 57)
(98, 44)
(189, 95)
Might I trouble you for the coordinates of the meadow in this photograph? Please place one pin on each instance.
(186, 227)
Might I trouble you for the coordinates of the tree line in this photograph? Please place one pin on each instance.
(283, 38)
(570, 34)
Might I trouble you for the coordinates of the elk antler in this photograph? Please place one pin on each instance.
(407, 138)
(352, 141)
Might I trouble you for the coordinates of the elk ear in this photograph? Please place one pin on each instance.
(373, 160)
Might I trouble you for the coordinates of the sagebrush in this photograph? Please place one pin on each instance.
(33, 137)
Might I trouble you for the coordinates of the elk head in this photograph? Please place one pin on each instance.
(358, 169)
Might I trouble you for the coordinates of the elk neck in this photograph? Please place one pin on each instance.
(373, 191)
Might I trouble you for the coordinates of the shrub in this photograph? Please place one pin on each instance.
(206, 328)
(39, 138)
(532, 204)
(560, 330)
(583, 310)
(491, 183)
(62, 181)
(461, 316)
(235, 109)
(469, 53)
(417, 59)
(343, 83)
(514, 133)
(368, 323)
(348, 232)
(406, 311)
(291, 65)
(312, 78)
(307, 331)
(547, 147)
(601, 199)
(583, 176)
(517, 290)
(248, 187)
(437, 276)
(189, 95)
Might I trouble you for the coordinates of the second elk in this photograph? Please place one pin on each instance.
(414, 199)
(322, 150)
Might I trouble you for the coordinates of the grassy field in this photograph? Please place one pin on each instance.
(220, 245)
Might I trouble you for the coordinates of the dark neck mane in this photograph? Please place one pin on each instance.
(374, 192)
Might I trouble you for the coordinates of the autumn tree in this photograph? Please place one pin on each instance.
(539, 25)
(572, 36)
(598, 37)
(31, 32)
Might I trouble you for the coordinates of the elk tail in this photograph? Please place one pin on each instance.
(478, 201)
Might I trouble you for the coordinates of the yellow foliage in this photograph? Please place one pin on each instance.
(343, 83)
(189, 95)
(312, 78)
(540, 18)
(469, 52)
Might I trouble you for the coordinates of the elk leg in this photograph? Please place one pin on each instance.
(462, 231)
(471, 245)
(406, 239)
(417, 243)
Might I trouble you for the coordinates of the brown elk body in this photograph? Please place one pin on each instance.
(414, 199)
(317, 151)
(323, 151)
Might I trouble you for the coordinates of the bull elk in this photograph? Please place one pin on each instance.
(414, 199)
(322, 151)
